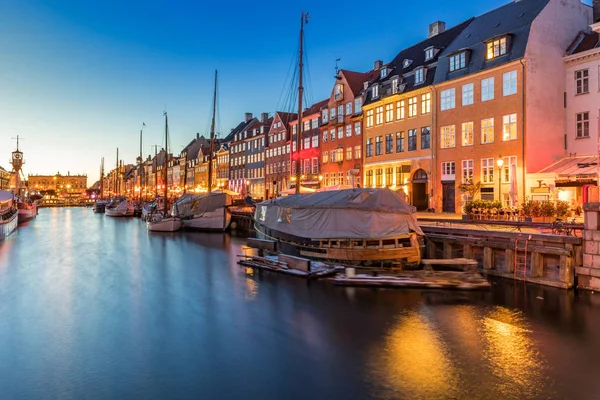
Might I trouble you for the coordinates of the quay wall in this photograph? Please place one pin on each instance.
(589, 272)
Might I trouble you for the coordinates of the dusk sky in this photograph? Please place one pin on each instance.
(78, 78)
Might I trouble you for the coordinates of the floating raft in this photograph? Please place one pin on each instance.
(315, 269)
(417, 279)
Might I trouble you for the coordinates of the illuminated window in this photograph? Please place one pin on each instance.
(467, 134)
(487, 170)
(426, 103)
(379, 115)
(389, 112)
(400, 110)
(509, 127)
(412, 107)
(447, 137)
(487, 130)
(496, 48)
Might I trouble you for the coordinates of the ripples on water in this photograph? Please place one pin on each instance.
(94, 307)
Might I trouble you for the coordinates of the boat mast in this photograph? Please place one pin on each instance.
(117, 173)
(166, 158)
(303, 20)
(212, 136)
(102, 178)
(141, 161)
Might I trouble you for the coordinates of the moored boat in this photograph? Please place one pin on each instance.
(204, 212)
(354, 226)
(8, 213)
(100, 206)
(27, 210)
(121, 209)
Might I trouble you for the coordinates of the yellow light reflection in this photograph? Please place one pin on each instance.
(415, 362)
(251, 289)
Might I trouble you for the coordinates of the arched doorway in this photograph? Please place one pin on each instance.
(419, 190)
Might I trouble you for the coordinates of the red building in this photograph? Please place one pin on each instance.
(277, 154)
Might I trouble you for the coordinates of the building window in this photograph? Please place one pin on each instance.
(458, 61)
(325, 157)
(348, 130)
(496, 48)
(332, 114)
(426, 103)
(340, 113)
(487, 170)
(306, 126)
(487, 89)
(447, 137)
(349, 108)
(315, 123)
(325, 135)
(375, 91)
(389, 176)
(425, 137)
(467, 134)
(338, 92)
(389, 112)
(357, 128)
(412, 139)
(583, 124)
(306, 143)
(419, 76)
(507, 170)
(394, 85)
(467, 171)
(306, 167)
(509, 83)
(399, 142)
(325, 116)
(448, 171)
(315, 166)
(349, 153)
(315, 141)
(379, 115)
(509, 127)
(332, 135)
(383, 73)
(369, 147)
(400, 110)
(357, 105)
(412, 107)
(369, 178)
(447, 99)
(389, 143)
(357, 153)
(379, 177)
(378, 145)
(467, 94)
(487, 130)
(369, 118)
(581, 81)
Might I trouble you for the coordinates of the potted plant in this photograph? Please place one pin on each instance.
(547, 210)
(531, 210)
(562, 208)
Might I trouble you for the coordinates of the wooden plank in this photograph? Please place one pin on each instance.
(302, 264)
(452, 261)
(269, 245)
(488, 258)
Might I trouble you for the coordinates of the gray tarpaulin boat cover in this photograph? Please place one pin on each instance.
(341, 214)
(192, 204)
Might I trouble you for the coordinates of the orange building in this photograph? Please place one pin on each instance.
(277, 155)
(342, 130)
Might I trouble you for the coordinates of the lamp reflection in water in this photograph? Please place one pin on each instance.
(415, 362)
(512, 354)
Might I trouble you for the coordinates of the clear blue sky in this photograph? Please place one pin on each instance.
(78, 78)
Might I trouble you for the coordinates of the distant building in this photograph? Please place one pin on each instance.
(4, 179)
(63, 185)
(277, 154)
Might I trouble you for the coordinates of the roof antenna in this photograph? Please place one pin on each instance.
(337, 70)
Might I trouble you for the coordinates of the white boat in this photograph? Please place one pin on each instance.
(27, 210)
(8, 213)
(123, 209)
(204, 212)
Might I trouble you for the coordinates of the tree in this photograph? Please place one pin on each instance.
(470, 188)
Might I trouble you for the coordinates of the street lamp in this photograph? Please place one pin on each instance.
(320, 180)
(500, 163)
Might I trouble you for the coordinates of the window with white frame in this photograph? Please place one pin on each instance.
(412, 107)
(583, 124)
(496, 48)
(448, 171)
(340, 132)
(306, 144)
(487, 130)
(357, 105)
(467, 171)
(467, 134)
(467, 94)
(507, 174)
(315, 141)
(349, 130)
(325, 135)
(458, 61)
(332, 113)
(581, 81)
(379, 115)
(395, 85)
(315, 123)
(487, 89)
(378, 146)
(447, 99)
(389, 112)
(306, 126)
(509, 127)
(400, 110)
(332, 135)
(357, 128)
(419, 76)
(370, 118)
(349, 153)
(383, 72)
(315, 165)
(426, 103)
(357, 153)
(340, 113)
(375, 91)
(412, 139)
(447, 136)
(325, 116)
(509, 83)
(325, 157)
(487, 170)
(349, 108)
(306, 166)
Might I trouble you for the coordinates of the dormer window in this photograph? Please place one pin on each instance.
(429, 53)
(383, 73)
(406, 63)
(365, 85)
(458, 61)
(496, 48)
(419, 76)
(338, 92)
(395, 85)
(375, 91)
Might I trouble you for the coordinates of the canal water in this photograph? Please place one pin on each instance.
(98, 308)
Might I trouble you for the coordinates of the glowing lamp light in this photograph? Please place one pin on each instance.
(500, 162)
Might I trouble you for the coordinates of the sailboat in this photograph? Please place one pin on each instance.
(209, 211)
(27, 208)
(163, 222)
(100, 204)
(119, 206)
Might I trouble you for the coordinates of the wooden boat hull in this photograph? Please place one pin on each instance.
(111, 212)
(8, 226)
(27, 214)
(169, 224)
(217, 220)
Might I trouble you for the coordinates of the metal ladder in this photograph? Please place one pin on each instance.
(521, 257)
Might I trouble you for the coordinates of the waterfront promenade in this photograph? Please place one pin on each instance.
(97, 308)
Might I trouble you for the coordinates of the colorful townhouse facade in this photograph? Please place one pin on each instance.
(278, 154)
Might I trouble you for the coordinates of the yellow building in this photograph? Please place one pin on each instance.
(63, 185)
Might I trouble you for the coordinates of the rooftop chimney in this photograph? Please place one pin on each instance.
(378, 64)
(264, 117)
(197, 135)
(248, 117)
(436, 28)
(595, 11)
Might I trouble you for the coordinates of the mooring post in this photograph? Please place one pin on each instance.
(488, 258)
